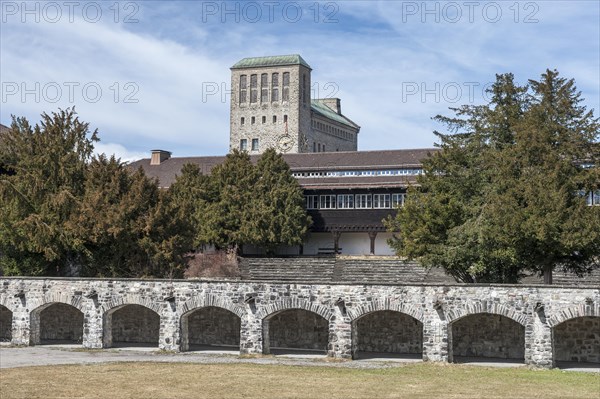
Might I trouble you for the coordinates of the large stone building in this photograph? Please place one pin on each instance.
(272, 106)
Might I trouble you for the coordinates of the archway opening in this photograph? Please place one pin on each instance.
(131, 326)
(295, 331)
(387, 334)
(487, 337)
(578, 341)
(210, 328)
(57, 323)
(5, 324)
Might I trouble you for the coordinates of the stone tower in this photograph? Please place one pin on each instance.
(271, 106)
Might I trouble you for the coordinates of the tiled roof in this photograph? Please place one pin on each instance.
(167, 171)
(275, 60)
(319, 107)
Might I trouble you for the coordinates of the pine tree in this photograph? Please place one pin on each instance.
(499, 199)
(278, 216)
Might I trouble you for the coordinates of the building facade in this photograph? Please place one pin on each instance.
(272, 106)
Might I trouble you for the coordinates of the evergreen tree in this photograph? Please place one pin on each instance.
(278, 216)
(39, 199)
(499, 199)
(229, 192)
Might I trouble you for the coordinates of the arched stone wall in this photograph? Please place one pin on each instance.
(487, 335)
(578, 340)
(210, 326)
(60, 322)
(131, 324)
(388, 331)
(296, 329)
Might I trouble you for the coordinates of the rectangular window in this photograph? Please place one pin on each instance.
(254, 144)
(345, 201)
(264, 119)
(253, 120)
(264, 88)
(312, 201)
(274, 118)
(275, 87)
(363, 201)
(327, 202)
(242, 121)
(285, 96)
(381, 201)
(314, 147)
(596, 197)
(253, 89)
(284, 118)
(243, 145)
(398, 200)
(243, 88)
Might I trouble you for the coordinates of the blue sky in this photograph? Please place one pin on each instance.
(154, 74)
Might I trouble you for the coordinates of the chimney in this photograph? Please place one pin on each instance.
(334, 104)
(159, 156)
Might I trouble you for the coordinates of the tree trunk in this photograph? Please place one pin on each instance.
(548, 274)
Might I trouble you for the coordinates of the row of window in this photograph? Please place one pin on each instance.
(354, 201)
(244, 145)
(263, 119)
(354, 173)
(335, 131)
(271, 89)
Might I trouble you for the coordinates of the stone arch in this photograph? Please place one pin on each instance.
(77, 301)
(8, 302)
(57, 318)
(576, 340)
(147, 317)
(475, 308)
(387, 331)
(117, 302)
(6, 321)
(486, 334)
(210, 326)
(293, 303)
(207, 300)
(383, 305)
(573, 312)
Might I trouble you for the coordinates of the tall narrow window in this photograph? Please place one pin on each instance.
(284, 118)
(254, 144)
(312, 201)
(275, 87)
(285, 95)
(264, 120)
(243, 145)
(253, 120)
(253, 89)
(274, 118)
(314, 147)
(264, 88)
(243, 89)
(242, 120)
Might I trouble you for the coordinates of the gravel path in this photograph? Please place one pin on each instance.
(45, 355)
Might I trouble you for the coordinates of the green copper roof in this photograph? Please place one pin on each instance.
(319, 107)
(274, 60)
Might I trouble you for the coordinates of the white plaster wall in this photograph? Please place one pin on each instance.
(355, 243)
(381, 245)
(316, 241)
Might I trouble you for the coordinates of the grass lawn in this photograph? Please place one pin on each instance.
(178, 380)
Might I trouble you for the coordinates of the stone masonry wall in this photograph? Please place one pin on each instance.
(61, 322)
(213, 326)
(539, 309)
(388, 331)
(135, 323)
(488, 335)
(578, 340)
(298, 329)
